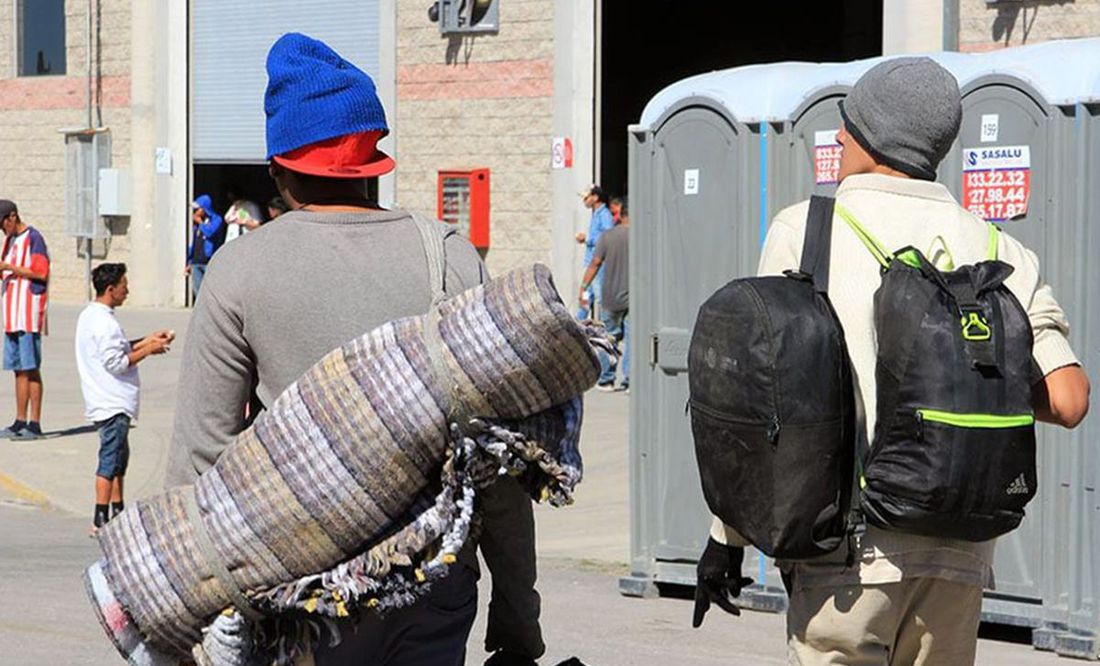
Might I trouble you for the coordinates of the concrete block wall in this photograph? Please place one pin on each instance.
(480, 101)
(32, 151)
(984, 26)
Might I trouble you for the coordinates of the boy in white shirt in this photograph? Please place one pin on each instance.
(107, 363)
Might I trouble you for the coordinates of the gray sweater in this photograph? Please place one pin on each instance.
(278, 299)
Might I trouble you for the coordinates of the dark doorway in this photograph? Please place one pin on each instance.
(648, 45)
(250, 181)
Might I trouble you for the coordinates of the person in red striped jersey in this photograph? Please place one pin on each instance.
(25, 269)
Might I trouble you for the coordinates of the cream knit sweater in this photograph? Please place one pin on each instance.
(900, 212)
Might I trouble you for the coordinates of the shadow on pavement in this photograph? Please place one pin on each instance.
(76, 430)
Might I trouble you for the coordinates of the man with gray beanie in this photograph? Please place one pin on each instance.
(906, 599)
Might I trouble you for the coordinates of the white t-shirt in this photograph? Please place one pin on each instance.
(237, 214)
(109, 382)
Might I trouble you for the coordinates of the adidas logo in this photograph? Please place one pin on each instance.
(1017, 487)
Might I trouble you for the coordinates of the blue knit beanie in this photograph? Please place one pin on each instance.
(313, 94)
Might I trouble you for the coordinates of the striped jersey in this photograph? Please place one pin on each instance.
(25, 300)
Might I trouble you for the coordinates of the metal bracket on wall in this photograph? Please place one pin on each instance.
(465, 16)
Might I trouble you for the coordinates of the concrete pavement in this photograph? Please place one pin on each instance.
(583, 548)
(59, 470)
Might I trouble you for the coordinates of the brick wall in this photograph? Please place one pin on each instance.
(984, 26)
(482, 101)
(32, 152)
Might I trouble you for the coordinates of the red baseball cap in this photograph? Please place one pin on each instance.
(348, 156)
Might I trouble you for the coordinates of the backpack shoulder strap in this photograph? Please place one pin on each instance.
(870, 242)
(994, 242)
(433, 234)
(816, 242)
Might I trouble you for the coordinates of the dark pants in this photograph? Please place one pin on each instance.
(431, 632)
(508, 546)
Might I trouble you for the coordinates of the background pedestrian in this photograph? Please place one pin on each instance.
(26, 271)
(107, 363)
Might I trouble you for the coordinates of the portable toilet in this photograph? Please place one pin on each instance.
(808, 155)
(1047, 571)
(1023, 161)
(710, 164)
(697, 220)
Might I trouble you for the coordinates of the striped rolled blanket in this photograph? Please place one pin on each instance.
(355, 490)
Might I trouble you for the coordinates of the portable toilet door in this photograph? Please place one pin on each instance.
(811, 162)
(694, 226)
(1008, 167)
(999, 172)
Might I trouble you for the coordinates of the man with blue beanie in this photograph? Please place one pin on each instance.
(336, 265)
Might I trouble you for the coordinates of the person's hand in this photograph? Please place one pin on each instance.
(5, 266)
(581, 237)
(719, 579)
(187, 269)
(159, 345)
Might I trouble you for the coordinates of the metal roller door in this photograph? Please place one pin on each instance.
(230, 40)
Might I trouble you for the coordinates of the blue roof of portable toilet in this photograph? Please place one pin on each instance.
(1063, 72)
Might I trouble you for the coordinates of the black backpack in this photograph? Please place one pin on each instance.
(772, 407)
(953, 453)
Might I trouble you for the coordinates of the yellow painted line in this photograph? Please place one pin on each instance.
(24, 492)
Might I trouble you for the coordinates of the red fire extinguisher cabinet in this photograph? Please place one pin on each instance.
(463, 199)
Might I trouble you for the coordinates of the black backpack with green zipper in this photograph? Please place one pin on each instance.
(953, 452)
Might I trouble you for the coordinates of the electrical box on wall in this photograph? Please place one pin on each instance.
(463, 199)
(86, 152)
(115, 192)
(466, 16)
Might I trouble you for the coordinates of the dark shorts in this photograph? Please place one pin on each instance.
(22, 351)
(114, 446)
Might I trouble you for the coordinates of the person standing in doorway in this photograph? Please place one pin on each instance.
(615, 205)
(612, 257)
(276, 207)
(207, 235)
(25, 269)
(107, 363)
(594, 199)
(243, 216)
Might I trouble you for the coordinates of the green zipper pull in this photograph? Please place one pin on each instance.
(975, 328)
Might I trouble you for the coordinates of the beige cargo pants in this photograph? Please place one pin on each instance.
(918, 621)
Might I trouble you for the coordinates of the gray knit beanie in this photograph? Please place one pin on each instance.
(905, 112)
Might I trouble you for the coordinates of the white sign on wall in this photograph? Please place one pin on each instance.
(163, 160)
(561, 153)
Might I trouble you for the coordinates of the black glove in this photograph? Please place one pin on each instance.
(719, 579)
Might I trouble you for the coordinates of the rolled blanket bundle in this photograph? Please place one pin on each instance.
(356, 487)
